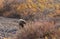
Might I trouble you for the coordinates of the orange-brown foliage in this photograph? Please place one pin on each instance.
(47, 8)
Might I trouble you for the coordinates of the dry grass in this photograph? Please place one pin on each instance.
(39, 30)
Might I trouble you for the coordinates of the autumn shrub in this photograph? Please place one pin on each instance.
(27, 8)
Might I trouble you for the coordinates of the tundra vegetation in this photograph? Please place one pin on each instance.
(42, 16)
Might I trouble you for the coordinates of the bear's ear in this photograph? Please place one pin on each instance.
(21, 22)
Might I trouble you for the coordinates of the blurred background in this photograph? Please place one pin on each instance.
(30, 9)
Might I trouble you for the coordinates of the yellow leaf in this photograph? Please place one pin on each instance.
(29, 0)
(46, 37)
